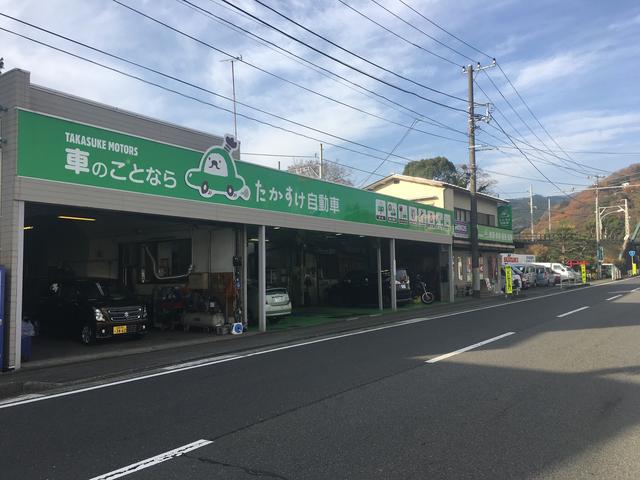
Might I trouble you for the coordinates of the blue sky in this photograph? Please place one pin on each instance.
(574, 62)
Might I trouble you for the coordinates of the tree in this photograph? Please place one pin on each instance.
(331, 171)
(442, 169)
(437, 168)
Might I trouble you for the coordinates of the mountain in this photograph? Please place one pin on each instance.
(573, 220)
(521, 213)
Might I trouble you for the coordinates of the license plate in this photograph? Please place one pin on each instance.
(402, 285)
(278, 299)
(120, 329)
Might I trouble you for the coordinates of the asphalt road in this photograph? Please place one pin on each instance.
(552, 395)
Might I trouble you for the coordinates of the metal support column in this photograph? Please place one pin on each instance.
(379, 270)
(15, 289)
(243, 253)
(452, 278)
(262, 278)
(392, 268)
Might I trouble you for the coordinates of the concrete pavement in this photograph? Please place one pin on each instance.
(555, 399)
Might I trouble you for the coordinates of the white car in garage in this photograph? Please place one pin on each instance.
(277, 303)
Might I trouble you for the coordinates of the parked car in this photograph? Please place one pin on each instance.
(545, 277)
(565, 273)
(89, 309)
(524, 280)
(277, 303)
(360, 288)
(529, 274)
(516, 280)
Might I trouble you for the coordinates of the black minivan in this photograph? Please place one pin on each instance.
(90, 309)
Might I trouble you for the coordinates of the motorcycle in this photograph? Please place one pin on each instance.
(420, 290)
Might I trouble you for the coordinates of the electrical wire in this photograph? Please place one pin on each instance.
(444, 30)
(399, 36)
(204, 102)
(330, 74)
(406, 133)
(422, 31)
(345, 64)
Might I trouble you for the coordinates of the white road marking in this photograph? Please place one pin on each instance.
(150, 462)
(614, 297)
(635, 289)
(226, 358)
(572, 311)
(470, 347)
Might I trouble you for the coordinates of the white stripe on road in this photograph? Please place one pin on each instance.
(572, 311)
(470, 347)
(614, 297)
(225, 358)
(150, 462)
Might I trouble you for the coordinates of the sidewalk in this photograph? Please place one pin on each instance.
(120, 359)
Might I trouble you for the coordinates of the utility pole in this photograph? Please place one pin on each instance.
(473, 236)
(475, 257)
(598, 261)
(549, 210)
(531, 208)
(627, 226)
(321, 161)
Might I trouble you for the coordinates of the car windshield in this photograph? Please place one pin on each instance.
(100, 290)
(276, 291)
(401, 275)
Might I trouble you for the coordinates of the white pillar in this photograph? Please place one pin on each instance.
(14, 279)
(392, 268)
(262, 278)
(243, 253)
(379, 270)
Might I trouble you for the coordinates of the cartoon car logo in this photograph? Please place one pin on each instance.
(217, 174)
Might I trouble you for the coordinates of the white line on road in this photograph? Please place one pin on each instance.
(470, 347)
(225, 358)
(614, 297)
(150, 462)
(572, 311)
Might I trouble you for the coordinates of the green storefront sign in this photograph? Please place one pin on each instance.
(505, 217)
(485, 233)
(64, 151)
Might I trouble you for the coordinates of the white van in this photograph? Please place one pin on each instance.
(566, 273)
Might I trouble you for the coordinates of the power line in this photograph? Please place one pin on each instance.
(337, 60)
(565, 160)
(444, 30)
(204, 102)
(425, 118)
(534, 166)
(529, 144)
(392, 150)
(399, 36)
(272, 74)
(171, 77)
(423, 32)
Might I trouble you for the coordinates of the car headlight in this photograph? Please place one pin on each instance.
(99, 315)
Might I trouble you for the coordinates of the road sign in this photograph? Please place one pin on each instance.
(632, 253)
(583, 271)
(508, 285)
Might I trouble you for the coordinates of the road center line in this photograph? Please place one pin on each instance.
(614, 297)
(470, 347)
(572, 311)
(150, 462)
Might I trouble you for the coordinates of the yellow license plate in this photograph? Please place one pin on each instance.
(120, 329)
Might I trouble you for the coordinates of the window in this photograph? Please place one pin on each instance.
(486, 219)
(462, 215)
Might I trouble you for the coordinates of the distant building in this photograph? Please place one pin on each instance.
(494, 223)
